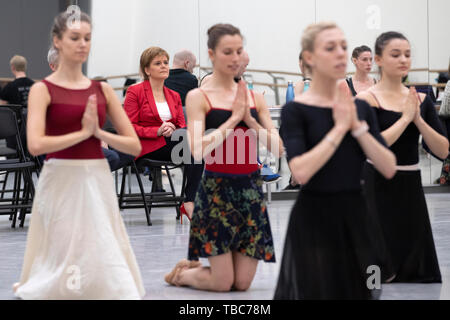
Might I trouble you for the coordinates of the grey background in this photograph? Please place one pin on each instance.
(25, 30)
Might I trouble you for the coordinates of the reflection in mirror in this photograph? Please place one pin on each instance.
(272, 44)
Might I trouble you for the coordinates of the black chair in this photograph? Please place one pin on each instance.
(21, 116)
(22, 198)
(11, 153)
(8, 153)
(133, 200)
(427, 89)
(154, 198)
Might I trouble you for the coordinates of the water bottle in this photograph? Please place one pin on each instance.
(290, 91)
(250, 85)
(306, 83)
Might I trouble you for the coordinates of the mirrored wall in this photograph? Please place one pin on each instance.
(272, 31)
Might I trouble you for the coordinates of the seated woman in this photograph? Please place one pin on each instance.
(156, 112)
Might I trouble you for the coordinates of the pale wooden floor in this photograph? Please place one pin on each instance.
(160, 246)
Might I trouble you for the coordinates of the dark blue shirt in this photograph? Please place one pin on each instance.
(181, 81)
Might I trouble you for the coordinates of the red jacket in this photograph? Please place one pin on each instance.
(141, 108)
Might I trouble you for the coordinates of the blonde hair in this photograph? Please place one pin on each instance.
(310, 34)
(19, 63)
(147, 57)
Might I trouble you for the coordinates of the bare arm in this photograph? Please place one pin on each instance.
(196, 108)
(393, 133)
(437, 143)
(383, 159)
(126, 140)
(305, 166)
(266, 131)
(38, 142)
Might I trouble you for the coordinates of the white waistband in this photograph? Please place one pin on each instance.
(412, 167)
(75, 162)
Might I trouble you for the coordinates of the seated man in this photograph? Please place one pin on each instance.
(16, 92)
(180, 78)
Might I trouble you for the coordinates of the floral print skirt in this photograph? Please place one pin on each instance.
(230, 215)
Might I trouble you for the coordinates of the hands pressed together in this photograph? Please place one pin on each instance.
(345, 115)
(241, 108)
(411, 110)
(89, 122)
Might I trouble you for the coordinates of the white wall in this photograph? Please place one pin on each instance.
(272, 30)
(439, 39)
(358, 19)
(112, 38)
(123, 29)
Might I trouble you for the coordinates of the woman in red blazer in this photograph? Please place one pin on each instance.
(156, 112)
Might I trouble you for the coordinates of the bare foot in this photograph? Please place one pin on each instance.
(170, 276)
(194, 264)
(177, 276)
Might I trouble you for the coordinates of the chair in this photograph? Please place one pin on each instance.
(21, 166)
(8, 153)
(154, 198)
(11, 153)
(428, 90)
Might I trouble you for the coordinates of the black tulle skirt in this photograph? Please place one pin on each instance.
(328, 249)
(400, 207)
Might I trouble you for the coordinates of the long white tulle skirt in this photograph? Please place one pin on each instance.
(77, 246)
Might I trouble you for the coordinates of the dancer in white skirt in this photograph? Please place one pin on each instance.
(77, 246)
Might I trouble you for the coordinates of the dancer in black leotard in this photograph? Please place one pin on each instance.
(399, 203)
(327, 138)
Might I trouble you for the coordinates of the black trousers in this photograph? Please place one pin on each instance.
(194, 171)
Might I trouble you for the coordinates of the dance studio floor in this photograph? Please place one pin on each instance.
(160, 246)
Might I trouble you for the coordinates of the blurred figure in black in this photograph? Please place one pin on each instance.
(180, 77)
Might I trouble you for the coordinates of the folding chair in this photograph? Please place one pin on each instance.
(21, 166)
(154, 198)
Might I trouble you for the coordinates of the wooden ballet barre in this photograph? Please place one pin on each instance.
(260, 71)
(267, 84)
(436, 85)
(131, 75)
(121, 76)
